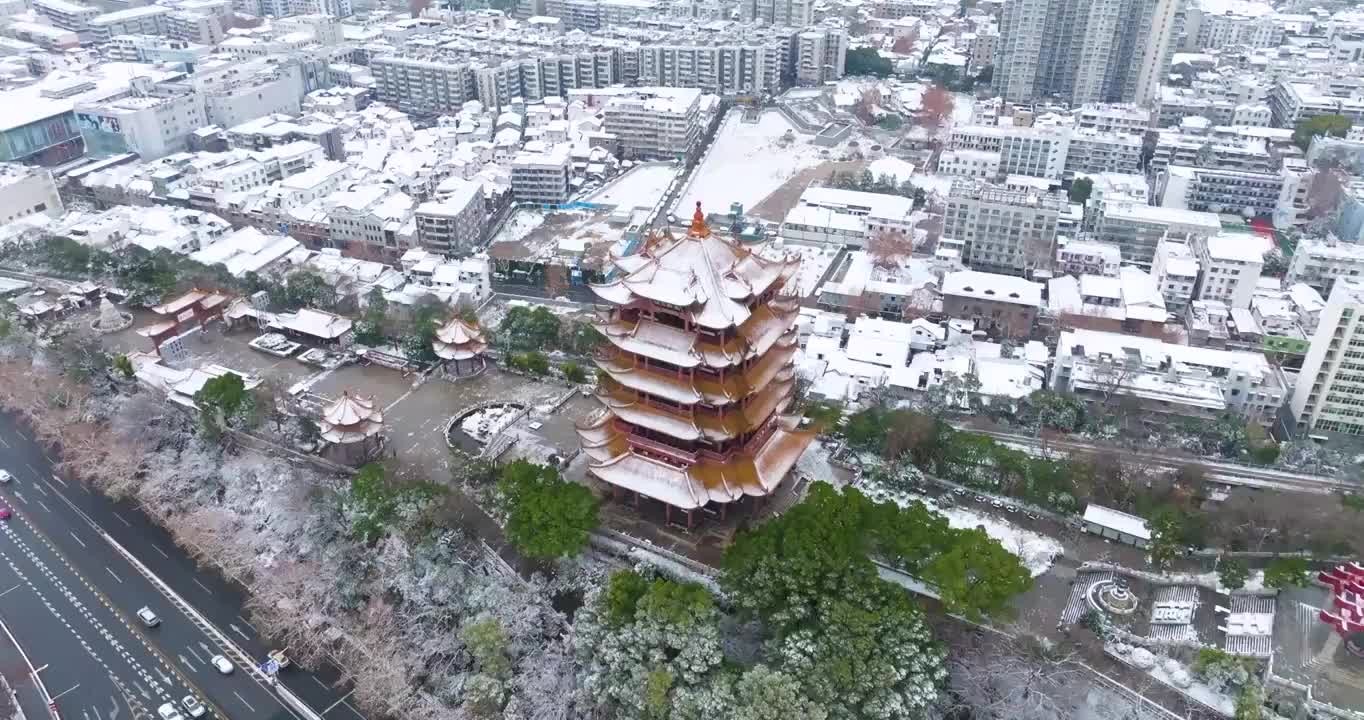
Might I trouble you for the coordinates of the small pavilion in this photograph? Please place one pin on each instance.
(352, 427)
(462, 347)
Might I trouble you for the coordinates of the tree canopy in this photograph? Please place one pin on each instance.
(867, 61)
(1309, 128)
(824, 548)
(1288, 572)
(221, 400)
(548, 517)
(523, 329)
(1080, 190)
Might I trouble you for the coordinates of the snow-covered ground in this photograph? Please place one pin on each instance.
(814, 261)
(641, 187)
(521, 224)
(1176, 675)
(486, 423)
(934, 184)
(747, 162)
(1037, 551)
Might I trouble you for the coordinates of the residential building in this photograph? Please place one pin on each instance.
(1230, 265)
(792, 13)
(1085, 51)
(655, 123)
(1001, 305)
(1175, 268)
(980, 164)
(1290, 102)
(1137, 228)
(820, 55)
(69, 16)
(152, 126)
(1125, 118)
(1168, 380)
(1088, 258)
(371, 220)
(1320, 263)
(1281, 195)
(1349, 225)
(453, 225)
(904, 289)
(1033, 151)
(542, 177)
(1094, 151)
(26, 191)
(847, 217)
(1001, 230)
(145, 20)
(1329, 396)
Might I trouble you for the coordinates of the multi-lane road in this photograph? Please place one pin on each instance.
(75, 567)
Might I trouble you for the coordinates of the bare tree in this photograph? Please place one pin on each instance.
(935, 107)
(997, 677)
(888, 248)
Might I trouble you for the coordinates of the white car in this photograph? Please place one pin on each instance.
(193, 706)
(5, 477)
(223, 665)
(168, 712)
(148, 617)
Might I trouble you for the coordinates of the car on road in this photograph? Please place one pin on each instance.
(222, 664)
(148, 617)
(38, 292)
(981, 499)
(193, 706)
(169, 712)
(5, 512)
(5, 477)
(996, 504)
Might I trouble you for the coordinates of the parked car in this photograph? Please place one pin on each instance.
(5, 477)
(148, 617)
(222, 664)
(5, 512)
(193, 706)
(169, 712)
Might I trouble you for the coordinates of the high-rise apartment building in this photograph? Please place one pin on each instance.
(1329, 396)
(656, 122)
(792, 13)
(1085, 51)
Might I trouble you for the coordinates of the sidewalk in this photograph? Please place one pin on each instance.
(15, 683)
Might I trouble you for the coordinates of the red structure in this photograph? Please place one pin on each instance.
(1347, 585)
(194, 308)
(696, 374)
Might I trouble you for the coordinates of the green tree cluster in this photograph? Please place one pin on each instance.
(1081, 189)
(525, 329)
(1286, 572)
(1233, 573)
(418, 344)
(374, 501)
(369, 329)
(1309, 128)
(825, 547)
(533, 362)
(223, 401)
(547, 516)
(867, 61)
(884, 184)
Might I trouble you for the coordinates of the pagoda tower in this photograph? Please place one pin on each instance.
(460, 344)
(697, 371)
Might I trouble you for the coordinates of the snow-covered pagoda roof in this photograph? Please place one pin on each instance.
(458, 340)
(351, 418)
(708, 277)
(756, 472)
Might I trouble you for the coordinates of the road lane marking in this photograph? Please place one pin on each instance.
(195, 654)
(116, 577)
(158, 549)
(2, 442)
(45, 507)
(120, 519)
(73, 687)
(187, 663)
(205, 587)
(41, 489)
(59, 481)
(21, 497)
(319, 682)
(247, 623)
(73, 535)
(338, 702)
(244, 702)
(232, 626)
(33, 470)
(16, 587)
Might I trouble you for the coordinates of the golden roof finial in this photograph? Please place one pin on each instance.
(698, 223)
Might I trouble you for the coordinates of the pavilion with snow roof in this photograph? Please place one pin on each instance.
(461, 346)
(352, 427)
(697, 373)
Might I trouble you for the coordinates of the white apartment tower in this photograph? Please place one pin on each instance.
(998, 230)
(792, 13)
(655, 122)
(1084, 51)
(1329, 396)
